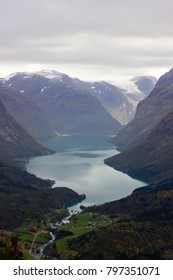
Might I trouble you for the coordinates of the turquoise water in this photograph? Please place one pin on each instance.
(79, 164)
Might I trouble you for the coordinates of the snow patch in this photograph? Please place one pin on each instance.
(9, 77)
(43, 89)
(52, 74)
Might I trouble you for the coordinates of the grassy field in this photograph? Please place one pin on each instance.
(26, 234)
(79, 225)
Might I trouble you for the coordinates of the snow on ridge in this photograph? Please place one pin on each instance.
(52, 74)
(129, 87)
(25, 75)
(9, 77)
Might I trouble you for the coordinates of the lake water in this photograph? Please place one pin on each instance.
(79, 164)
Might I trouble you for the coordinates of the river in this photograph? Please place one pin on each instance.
(79, 164)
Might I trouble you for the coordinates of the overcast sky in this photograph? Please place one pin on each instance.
(110, 40)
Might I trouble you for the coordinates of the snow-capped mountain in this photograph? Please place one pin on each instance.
(69, 107)
(75, 106)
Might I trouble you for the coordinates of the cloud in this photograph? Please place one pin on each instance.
(106, 36)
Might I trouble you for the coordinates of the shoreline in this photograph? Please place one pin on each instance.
(75, 202)
(126, 190)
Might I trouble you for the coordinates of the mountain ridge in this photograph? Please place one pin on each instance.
(27, 113)
(15, 143)
(65, 103)
(149, 113)
(47, 87)
(148, 154)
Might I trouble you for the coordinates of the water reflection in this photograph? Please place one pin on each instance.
(79, 164)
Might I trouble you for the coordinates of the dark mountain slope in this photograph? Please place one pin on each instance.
(79, 112)
(15, 142)
(142, 227)
(149, 113)
(152, 159)
(24, 197)
(27, 113)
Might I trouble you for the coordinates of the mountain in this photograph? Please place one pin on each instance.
(145, 83)
(26, 198)
(23, 196)
(15, 143)
(141, 228)
(149, 113)
(53, 91)
(68, 107)
(152, 159)
(114, 99)
(27, 113)
(120, 102)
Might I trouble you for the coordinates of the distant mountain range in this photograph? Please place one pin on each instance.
(147, 141)
(70, 105)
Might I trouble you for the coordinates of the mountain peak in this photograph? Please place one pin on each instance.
(145, 83)
(51, 74)
(48, 74)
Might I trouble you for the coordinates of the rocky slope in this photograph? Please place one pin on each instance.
(120, 102)
(15, 143)
(149, 113)
(114, 99)
(68, 107)
(152, 159)
(27, 113)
